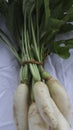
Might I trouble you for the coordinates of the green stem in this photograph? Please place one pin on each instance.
(33, 68)
(44, 74)
(24, 73)
(37, 20)
(34, 41)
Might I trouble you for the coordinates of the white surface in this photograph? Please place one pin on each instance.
(62, 70)
(9, 78)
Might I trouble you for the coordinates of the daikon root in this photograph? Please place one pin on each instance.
(21, 107)
(34, 119)
(60, 97)
(43, 103)
(62, 122)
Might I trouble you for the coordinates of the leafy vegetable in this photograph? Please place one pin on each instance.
(35, 24)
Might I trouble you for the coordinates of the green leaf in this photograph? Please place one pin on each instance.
(57, 11)
(47, 11)
(69, 43)
(13, 14)
(3, 7)
(62, 48)
(66, 27)
(62, 51)
(15, 19)
(69, 14)
(55, 24)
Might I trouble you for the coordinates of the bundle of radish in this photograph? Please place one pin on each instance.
(36, 32)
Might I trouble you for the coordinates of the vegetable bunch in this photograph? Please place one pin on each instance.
(40, 102)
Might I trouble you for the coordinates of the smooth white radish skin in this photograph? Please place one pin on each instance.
(62, 122)
(35, 121)
(21, 107)
(60, 97)
(43, 102)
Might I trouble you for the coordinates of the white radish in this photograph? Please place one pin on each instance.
(21, 107)
(34, 119)
(60, 97)
(43, 102)
(62, 122)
